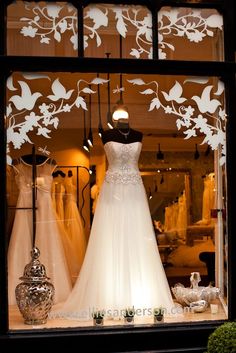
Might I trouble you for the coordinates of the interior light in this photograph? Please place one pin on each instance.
(120, 111)
(150, 194)
(90, 138)
(85, 145)
(109, 120)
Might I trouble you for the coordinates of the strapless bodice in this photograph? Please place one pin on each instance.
(123, 162)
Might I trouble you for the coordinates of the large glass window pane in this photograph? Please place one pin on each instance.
(114, 30)
(190, 34)
(42, 28)
(52, 29)
(154, 188)
(106, 25)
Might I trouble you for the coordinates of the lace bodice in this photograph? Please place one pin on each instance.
(24, 176)
(123, 162)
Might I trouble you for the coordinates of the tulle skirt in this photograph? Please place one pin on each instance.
(48, 240)
(76, 236)
(122, 266)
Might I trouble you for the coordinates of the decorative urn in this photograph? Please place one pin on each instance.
(34, 295)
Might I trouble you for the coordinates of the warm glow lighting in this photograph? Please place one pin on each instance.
(86, 148)
(109, 125)
(100, 130)
(150, 194)
(120, 111)
(109, 120)
(85, 145)
(90, 138)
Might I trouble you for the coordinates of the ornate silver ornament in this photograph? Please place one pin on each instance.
(34, 295)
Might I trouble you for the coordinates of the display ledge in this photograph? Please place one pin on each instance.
(16, 321)
(183, 337)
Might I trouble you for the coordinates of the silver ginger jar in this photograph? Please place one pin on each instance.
(34, 295)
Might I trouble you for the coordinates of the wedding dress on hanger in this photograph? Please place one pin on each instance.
(74, 228)
(48, 236)
(58, 193)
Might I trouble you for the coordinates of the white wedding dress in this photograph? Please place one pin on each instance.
(48, 236)
(122, 266)
(74, 229)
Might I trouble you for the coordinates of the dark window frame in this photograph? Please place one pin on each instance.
(140, 337)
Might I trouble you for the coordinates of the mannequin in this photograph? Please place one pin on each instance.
(122, 133)
(122, 266)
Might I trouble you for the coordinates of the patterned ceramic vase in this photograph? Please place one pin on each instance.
(34, 295)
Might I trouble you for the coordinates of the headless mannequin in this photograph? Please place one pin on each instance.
(122, 133)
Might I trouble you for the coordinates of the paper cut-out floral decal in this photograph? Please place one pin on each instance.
(209, 118)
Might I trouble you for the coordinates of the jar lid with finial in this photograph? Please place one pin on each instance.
(34, 271)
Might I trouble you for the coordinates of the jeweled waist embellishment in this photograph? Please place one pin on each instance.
(123, 178)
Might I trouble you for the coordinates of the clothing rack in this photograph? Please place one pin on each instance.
(34, 196)
(77, 168)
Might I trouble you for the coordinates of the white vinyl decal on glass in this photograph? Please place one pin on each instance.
(132, 20)
(52, 21)
(24, 114)
(193, 25)
(203, 113)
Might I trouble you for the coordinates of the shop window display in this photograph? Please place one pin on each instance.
(122, 243)
(66, 67)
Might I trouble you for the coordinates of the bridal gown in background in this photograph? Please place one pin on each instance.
(48, 236)
(122, 266)
(208, 201)
(58, 194)
(74, 229)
